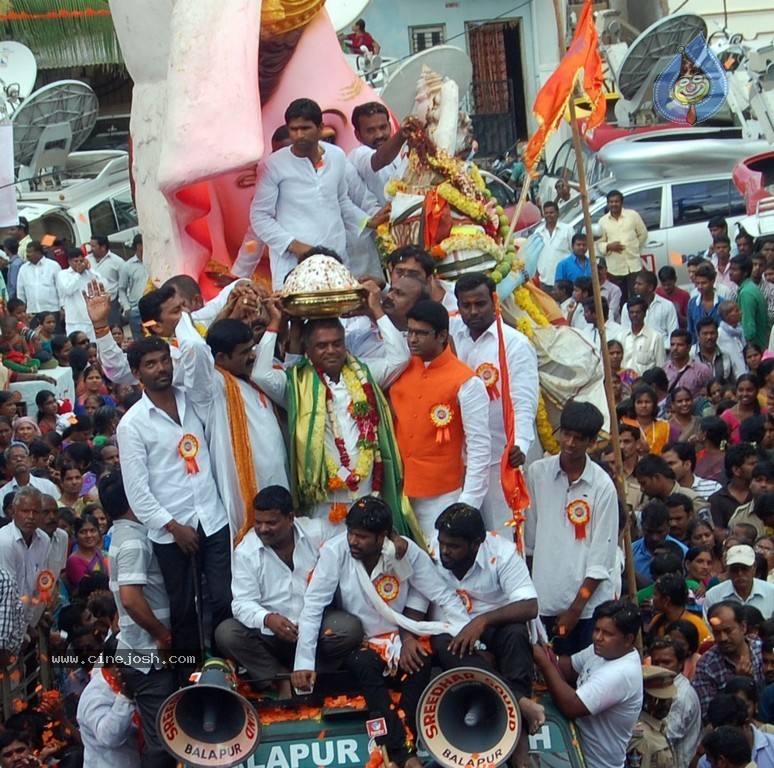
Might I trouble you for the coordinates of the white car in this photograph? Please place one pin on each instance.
(675, 211)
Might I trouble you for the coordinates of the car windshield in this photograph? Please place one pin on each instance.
(572, 209)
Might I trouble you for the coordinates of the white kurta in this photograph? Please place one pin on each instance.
(384, 371)
(71, 286)
(295, 201)
(524, 385)
(376, 181)
(36, 286)
(661, 317)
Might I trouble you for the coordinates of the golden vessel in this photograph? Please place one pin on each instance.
(323, 303)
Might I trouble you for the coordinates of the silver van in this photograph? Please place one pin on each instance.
(675, 211)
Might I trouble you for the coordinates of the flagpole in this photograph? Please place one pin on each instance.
(614, 437)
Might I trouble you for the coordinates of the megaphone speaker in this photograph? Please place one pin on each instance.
(209, 724)
(470, 717)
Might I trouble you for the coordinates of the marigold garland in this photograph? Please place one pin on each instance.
(477, 242)
(526, 303)
(473, 208)
(363, 411)
(545, 430)
(385, 242)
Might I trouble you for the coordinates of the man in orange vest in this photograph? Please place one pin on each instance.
(441, 421)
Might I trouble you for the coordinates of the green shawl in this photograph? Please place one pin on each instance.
(309, 476)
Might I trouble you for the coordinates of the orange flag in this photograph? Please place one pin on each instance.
(551, 101)
(512, 480)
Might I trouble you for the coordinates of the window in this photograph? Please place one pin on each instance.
(126, 213)
(102, 219)
(647, 202)
(426, 36)
(699, 201)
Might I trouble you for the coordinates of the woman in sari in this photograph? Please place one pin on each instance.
(655, 432)
(88, 558)
(682, 414)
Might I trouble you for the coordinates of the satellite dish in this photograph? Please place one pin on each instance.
(657, 41)
(61, 113)
(18, 72)
(344, 13)
(400, 91)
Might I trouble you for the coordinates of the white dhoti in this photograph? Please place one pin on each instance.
(427, 510)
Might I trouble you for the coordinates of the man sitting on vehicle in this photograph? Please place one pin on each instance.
(487, 572)
(391, 598)
(271, 568)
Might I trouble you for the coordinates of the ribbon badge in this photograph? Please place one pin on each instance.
(579, 514)
(442, 415)
(188, 447)
(490, 376)
(46, 581)
(387, 587)
(467, 600)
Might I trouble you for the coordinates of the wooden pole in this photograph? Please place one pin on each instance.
(614, 437)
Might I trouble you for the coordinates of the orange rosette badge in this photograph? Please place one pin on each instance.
(442, 415)
(188, 447)
(467, 600)
(490, 376)
(579, 514)
(387, 587)
(46, 582)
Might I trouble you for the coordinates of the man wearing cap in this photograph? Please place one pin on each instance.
(742, 586)
(684, 719)
(733, 653)
(21, 233)
(649, 746)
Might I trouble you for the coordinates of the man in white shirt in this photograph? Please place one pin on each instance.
(135, 284)
(17, 460)
(574, 511)
(556, 237)
(301, 196)
(643, 346)
(109, 267)
(143, 615)
(377, 159)
(485, 569)
(440, 408)
(48, 522)
(37, 282)
(170, 486)
(248, 449)
(661, 315)
(731, 339)
(24, 548)
(272, 566)
(476, 340)
(329, 376)
(601, 686)
(106, 721)
(416, 262)
(391, 599)
(741, 586)
(72, 282)
(623, 237)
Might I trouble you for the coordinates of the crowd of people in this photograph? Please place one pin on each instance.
(310, 497)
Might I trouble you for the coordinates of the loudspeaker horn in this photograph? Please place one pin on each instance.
(468, 716)
(209, 724)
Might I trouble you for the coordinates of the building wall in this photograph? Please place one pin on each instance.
(751, 18)
(389, 22)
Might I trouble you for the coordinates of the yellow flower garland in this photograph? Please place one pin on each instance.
(545, 430)
(476, 242)
(525, 302)
(466, 205)
(385, 242)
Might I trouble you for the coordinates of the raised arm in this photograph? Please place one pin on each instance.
(271, 380)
